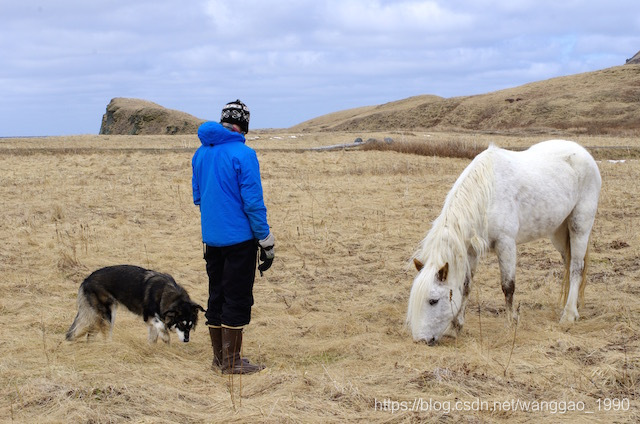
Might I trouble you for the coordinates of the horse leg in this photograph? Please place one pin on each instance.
(560, 240)
(579, 231)
(473, 263)
(506, 251)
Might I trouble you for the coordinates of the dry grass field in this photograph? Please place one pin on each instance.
(329, 315)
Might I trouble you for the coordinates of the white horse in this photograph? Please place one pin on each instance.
(504, 198)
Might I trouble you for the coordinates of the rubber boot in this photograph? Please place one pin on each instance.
(232, 362)
(215, 332)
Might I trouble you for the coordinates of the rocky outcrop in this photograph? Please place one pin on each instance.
(135, 116)
(635, 60)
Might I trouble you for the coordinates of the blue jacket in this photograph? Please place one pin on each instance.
(226, 185)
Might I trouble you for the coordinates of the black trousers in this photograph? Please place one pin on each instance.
(232, 272)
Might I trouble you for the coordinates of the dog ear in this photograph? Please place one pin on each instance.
(194, 305)
(169, 315)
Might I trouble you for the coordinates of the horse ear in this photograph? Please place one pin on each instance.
(444, 272)
(419, 265)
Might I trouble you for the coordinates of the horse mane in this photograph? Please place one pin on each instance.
(460, 229)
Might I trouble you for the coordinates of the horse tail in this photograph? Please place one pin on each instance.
(566, 279)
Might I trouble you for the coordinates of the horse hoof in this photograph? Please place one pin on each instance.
(568, 318)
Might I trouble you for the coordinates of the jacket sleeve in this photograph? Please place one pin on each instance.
(251, 192)
(195, 178)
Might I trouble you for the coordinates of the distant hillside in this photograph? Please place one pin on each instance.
(600, 102)
(635, 60)
(135, 116)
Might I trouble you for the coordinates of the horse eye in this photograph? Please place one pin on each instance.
(433, 301)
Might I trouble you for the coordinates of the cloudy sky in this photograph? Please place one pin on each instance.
(62, 61)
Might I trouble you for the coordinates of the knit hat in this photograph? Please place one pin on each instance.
(236, 113)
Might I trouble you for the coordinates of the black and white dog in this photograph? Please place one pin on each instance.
(163, 304)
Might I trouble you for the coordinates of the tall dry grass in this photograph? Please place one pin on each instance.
(466, 146)
(328, 318)
(459, 148)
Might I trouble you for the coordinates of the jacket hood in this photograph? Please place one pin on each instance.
(213, 133)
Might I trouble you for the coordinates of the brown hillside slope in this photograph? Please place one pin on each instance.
(635, 60)
(134, 117)
(600, 102)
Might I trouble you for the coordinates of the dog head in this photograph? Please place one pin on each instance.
(182, 317)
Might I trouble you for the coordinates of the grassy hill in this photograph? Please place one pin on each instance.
(600, 102)
(126, 116)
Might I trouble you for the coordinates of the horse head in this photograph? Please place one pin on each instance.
(436, 303)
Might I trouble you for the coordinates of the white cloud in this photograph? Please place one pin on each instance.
(396, 18)
(289, 59)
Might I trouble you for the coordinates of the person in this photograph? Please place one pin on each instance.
(228, 189)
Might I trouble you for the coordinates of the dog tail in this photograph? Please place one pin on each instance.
(85, 319)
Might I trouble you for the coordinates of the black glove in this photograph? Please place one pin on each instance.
(266, 253)
(266, 260)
